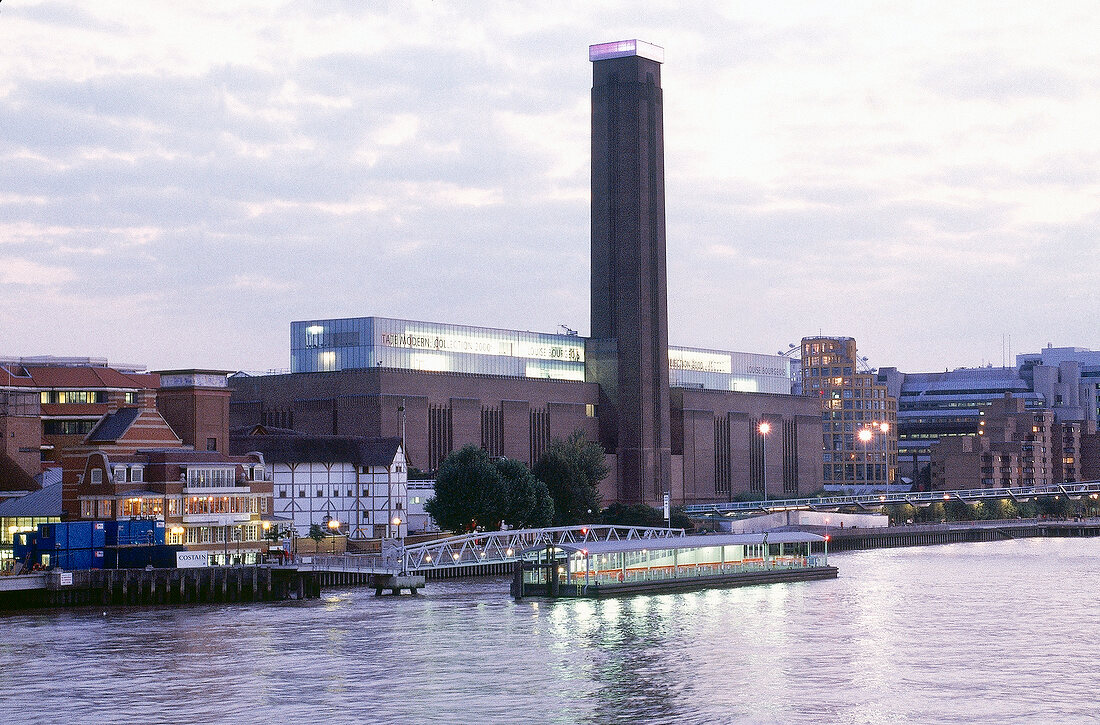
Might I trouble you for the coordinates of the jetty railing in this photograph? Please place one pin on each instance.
(504, 546)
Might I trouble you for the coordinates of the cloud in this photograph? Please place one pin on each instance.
(192, 178)
(24, 272)
(999, 79)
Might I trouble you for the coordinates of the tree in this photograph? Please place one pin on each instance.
(572, 470)
(473, 491)
(469, 492)
(316, 533)
(527, 502)
(276, 533)
(618, 514)
(641, 515)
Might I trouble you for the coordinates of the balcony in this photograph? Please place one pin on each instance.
(217, 519)
(216, 491)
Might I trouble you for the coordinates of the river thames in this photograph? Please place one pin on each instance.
(987, 632)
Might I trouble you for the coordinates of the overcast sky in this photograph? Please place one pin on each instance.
(179, 181)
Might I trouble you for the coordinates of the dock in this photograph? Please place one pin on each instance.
(618, 568)
(136, 587)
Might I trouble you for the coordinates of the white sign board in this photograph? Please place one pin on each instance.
(668, 509)
(192, 559)
(66, 578)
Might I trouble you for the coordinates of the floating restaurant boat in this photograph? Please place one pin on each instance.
(614, 568)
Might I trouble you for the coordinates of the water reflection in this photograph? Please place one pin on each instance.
(994, 632)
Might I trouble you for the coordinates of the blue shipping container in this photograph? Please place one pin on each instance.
(78, 534)
(99, 558)
(139, 557)
(52, 536)
(140, 532)
(24, 546)
(99, 534)
(72, 559)
(114, 531)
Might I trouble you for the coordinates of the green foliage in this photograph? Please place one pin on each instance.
(472, 491)
(902, 512)
(1055, 506)
(316, 532)
(956, 510)
(527, 502)
(933, 513)
(998, 508)
(469, 492)
(641, 515)
(637, 515)
(572, 470)
(276, 532)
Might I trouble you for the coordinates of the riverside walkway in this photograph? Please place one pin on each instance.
(882, 537)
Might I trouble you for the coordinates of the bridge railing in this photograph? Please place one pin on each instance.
(362, 563)
(916, 498)
(503, 546)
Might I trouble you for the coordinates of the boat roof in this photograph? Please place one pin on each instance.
(684, 542)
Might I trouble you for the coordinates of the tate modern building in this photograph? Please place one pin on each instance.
(679, 420)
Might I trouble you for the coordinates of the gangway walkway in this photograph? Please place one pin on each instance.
(505, 546)
(915, 498)
(476, 551)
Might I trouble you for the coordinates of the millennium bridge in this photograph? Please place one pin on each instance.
(920, 499)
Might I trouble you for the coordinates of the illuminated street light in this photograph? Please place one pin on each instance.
(865, 435)
(334, 527)
(764, 429)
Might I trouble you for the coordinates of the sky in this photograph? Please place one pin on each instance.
(180, 181)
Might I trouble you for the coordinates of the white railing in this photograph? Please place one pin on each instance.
(504, 546)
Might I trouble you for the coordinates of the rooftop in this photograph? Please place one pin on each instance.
(685, 542)
(279, 445)
(625, 49)
(46, 502)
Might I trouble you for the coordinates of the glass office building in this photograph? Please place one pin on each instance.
(367, 342)
(745, 372)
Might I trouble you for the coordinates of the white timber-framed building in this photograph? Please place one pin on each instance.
(359, 483)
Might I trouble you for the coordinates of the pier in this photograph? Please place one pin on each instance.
(135, 587)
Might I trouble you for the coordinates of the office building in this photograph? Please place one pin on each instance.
(940, 406)
(858, 416)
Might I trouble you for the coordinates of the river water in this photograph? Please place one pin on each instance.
(989, 632)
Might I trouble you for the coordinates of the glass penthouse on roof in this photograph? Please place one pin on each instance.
(367, 342)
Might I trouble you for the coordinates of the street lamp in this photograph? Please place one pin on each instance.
(865, 436)
(885, 428)
(334, 527)
(397, 525)
(764, 429)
